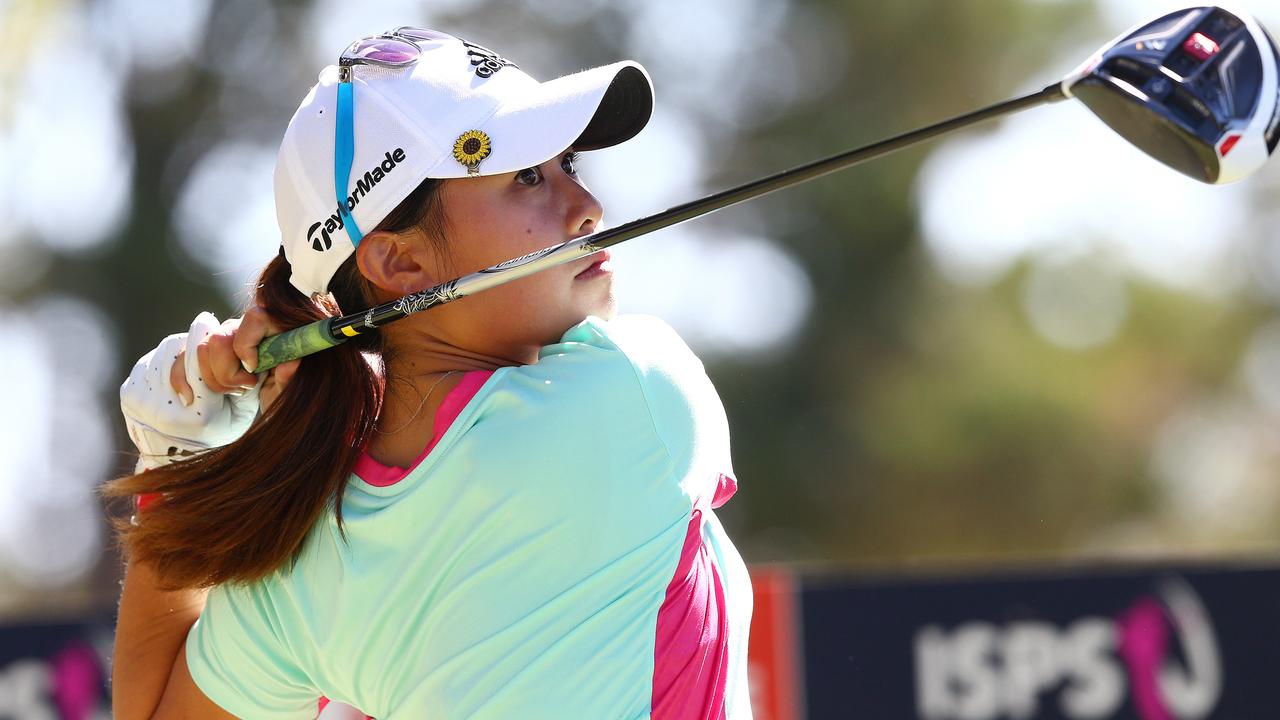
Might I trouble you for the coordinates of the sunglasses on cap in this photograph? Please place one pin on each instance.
(394, 49)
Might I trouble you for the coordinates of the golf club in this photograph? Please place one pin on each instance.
(1196, 89)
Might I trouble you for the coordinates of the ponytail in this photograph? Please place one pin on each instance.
(239, 512)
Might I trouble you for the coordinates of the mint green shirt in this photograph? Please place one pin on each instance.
(524, 568)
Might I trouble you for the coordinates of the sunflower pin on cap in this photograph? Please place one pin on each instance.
(470, 148)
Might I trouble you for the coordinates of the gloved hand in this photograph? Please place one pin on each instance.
(161, 423)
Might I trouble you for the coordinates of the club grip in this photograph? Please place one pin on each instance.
(295, 343)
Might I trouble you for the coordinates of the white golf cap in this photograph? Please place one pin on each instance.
(459, 110)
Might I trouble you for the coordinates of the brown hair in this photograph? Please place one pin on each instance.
(239, 512)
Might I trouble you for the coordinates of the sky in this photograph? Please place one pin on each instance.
(1055, 182)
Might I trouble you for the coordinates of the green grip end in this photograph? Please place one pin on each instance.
(295, 343)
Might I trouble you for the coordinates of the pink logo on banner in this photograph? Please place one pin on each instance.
(1144, 640)
(1161, 687)
(77, 681)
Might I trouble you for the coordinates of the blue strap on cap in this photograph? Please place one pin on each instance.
(344, 150)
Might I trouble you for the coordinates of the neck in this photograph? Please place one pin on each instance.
(418, 351)
(417, 355)
(419, 359)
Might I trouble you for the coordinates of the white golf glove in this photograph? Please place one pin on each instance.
(160, 425)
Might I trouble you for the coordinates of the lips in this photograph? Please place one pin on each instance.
(596, 260)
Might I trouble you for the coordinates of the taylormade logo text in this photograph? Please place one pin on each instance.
(323, 240)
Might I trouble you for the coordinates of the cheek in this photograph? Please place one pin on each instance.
(514, 303)
(501, 242)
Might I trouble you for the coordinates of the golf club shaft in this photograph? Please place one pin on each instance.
(327, 333)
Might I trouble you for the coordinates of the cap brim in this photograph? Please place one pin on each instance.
(622, 113)
(588, 110)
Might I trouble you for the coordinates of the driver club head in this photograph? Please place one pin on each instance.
(1197, 90)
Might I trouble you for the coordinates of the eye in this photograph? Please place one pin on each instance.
(569, 163)
(529, 176)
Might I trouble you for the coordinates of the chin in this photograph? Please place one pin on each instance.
(607, 309)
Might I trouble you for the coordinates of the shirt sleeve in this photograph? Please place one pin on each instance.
(682, 403)
(237, 658)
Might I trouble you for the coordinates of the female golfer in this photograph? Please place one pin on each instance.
(499, 508)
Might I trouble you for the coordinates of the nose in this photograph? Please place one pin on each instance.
(584, 213)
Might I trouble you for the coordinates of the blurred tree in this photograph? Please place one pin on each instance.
(916, 419)
(911, 418)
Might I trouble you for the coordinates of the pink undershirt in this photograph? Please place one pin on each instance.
(691, 648)
(379, 475)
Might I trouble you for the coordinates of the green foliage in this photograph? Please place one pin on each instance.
(911, 418)
(916, 419)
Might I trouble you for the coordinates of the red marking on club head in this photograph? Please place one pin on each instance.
(1227, 144)
(1200, 46)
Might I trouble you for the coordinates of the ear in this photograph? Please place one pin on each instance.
(397, 263)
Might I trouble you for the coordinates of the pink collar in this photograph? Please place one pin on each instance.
(379, 475)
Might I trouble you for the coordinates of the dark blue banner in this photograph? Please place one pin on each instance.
(55, 671)
(1152, 644)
